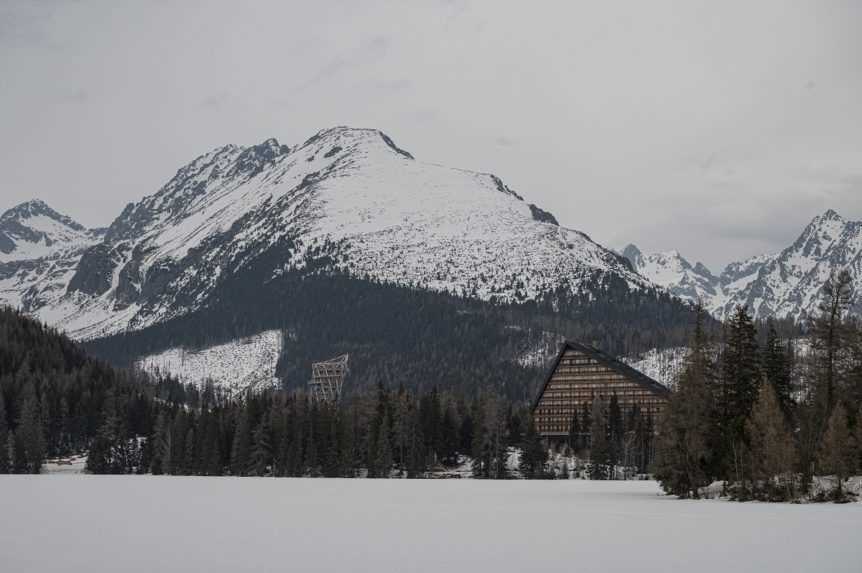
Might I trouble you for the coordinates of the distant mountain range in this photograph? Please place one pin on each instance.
(785, 284)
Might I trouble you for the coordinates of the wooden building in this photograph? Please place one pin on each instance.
(579, 375)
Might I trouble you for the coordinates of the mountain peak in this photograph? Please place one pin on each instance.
(830, 215)
(35, 208)
(32, 230)
(343, 136)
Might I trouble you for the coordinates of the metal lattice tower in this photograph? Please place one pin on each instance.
(327, 378)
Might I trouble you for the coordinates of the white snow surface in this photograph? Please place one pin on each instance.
(142, 524)
(246, 363)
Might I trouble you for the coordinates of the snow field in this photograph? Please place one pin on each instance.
(214, 525)
(244, 363)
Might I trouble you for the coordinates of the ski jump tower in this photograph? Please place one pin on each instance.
(327, 378)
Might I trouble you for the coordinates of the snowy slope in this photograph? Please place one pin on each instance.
(785, 284)
(663, 365)
(348, 197)
(247, 363)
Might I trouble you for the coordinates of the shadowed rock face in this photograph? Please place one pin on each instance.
(95, 271)
(542, 216)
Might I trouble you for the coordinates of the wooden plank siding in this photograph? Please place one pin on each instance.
(578, 375)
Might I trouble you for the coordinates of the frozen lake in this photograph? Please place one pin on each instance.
(213, 525)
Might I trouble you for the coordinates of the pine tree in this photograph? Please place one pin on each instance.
(682, 454)
(830, 334)
(771, 449)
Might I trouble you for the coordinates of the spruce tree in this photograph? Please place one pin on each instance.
(600, 446)
(4, 437)
(616, 431)
(739, 387)
(450, 438)
(384, 460)
(31, 433)
(534, 456)
(240, 454)
(575, 432)
(162, 446)
(261, 450)
(776, 369)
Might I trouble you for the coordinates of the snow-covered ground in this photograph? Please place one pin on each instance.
(663, 365)
(245, 363)
(145, 524)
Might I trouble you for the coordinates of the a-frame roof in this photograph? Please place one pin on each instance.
(608, 361)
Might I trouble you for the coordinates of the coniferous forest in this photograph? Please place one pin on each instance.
(764, 417)
(55, 401)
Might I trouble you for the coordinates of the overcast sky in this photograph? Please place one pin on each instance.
(717, 128)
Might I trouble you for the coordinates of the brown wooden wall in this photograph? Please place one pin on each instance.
(579, 378)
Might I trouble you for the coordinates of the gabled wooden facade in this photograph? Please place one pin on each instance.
(580, 374)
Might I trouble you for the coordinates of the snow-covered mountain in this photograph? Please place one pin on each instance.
(346, 199)
(672, 271)
(39, 251)
(33, 230)
(786, 284)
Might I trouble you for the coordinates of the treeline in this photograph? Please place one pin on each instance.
(767, 419)
(56, 401)
(379, 434)
(52, 395)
